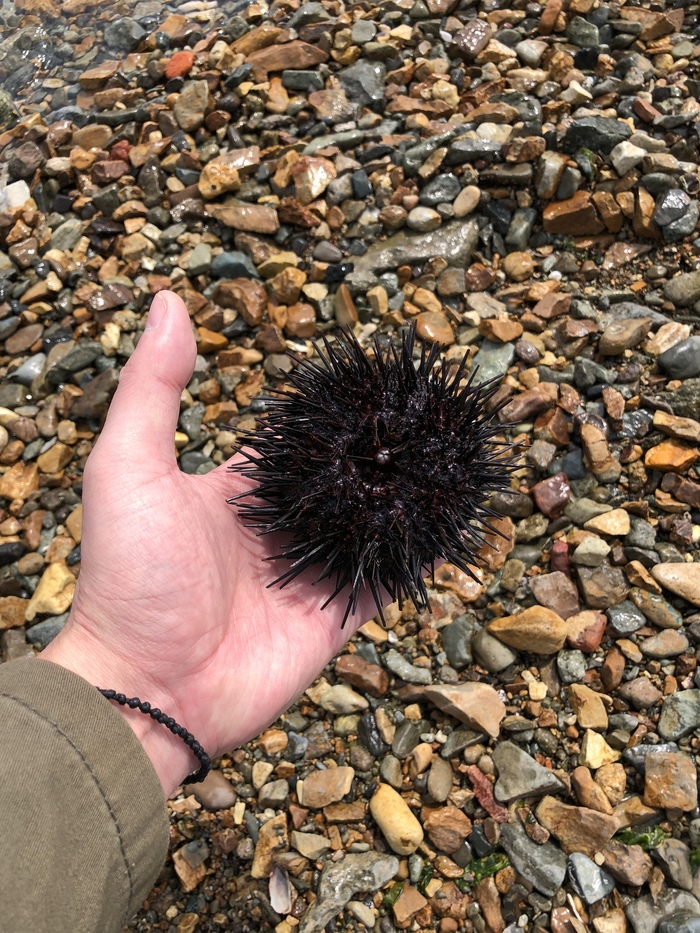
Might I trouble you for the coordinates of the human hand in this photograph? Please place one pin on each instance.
(171, 604)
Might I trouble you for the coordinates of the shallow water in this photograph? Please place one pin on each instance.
(42, 55)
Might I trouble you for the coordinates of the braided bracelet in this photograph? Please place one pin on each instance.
(169, 723)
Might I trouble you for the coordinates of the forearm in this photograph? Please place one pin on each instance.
(74, 782)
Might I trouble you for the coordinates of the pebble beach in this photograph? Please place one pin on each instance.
(521, 181)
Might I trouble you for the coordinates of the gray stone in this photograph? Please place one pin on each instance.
(124, 34)
(408, 735)
(599, 134)
(680, 715)
(520, 228)
(682, 922)
(300, 80)
(544, 866)
(200, 259)
(402, 668)
(647, 913)
(458, 740)
(443, 188)
(29, 370)
(414, 157)
(67, 235)
(679, 229)
(390, 771)
(233, 265)
(589, 881)
(471, 150)
(493, 359)
(364, 872)
(44, 632)
(12, 396)
(274, 794)
(682, 361)
(625, 618)
(684, 289)
(571, 665)
(492, 654)
(674, 858)
(440, 780)
(457, 639)
(519, 775)
(363, 31)
(363, 82)
(454, 242)
(670, 206)
(582, 33)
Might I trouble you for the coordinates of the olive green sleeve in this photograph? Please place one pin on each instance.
(83, 823)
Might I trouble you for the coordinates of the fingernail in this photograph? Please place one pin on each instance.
(159, 306)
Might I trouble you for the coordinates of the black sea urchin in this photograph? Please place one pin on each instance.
(375, 468)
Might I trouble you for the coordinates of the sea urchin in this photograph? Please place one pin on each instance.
(375, 468)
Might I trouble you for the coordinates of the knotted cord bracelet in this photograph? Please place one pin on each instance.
(169, 723)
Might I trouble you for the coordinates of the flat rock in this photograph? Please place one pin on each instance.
(363, 872)
(544, 866)
(536, 630)
(454, 241)
(328, 786)
(670, 781)
(519, 775)
(476, 705)
(681, 579)
(577, 829)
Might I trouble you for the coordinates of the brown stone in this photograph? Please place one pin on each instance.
(612, 780)
(190, 875)
(224, 173)
(642, 221)
(685, 429)
(597, 454)
(518, 266)
(295, 54)
(272, 839)
(475, 704)
(500, 331)
(95, 77)
(552, 495)
(19, 481)
(286, 286)
(609, 211)
(312, 175)
(324, 787)
(408, 903)
(370, 678)
(447, 828)
(577, 829)
(671, 455)
(55, 458)
(575, 217)
(623, 335)
(433, 327)
(251, 218)
(536, 630)
(12, 611)
(588, 793)
(585, 630)
(301, 321)
(627, 864)
(670, 781)
(588, 707)
(552, 305)
(529, 403)
(246, 296)
(640, 693)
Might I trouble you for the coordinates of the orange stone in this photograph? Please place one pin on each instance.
(179, 65)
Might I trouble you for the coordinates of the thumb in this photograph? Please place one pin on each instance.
(142, 419)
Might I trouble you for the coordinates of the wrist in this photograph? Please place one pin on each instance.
(79, 651)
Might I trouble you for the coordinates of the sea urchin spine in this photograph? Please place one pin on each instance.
(375, 469)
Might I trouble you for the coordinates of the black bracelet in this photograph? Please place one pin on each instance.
(169, 723)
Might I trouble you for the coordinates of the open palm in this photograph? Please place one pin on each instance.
(172, 602)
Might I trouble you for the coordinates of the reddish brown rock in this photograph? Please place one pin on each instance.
(670, 781)
(179, 65)
(251, 218)
(367, 677)
(575, 217)
(246, 296)
(447, 827)
(295, 54)
(585, 630)
(552, 494)
(529, 403)
(578, 829)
